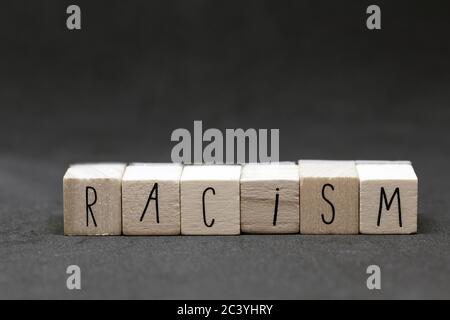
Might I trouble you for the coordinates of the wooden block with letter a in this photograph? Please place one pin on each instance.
(329, 192)
(270, 198)
(92, 199)
(388, 197)
(210, 200)
(151, 199)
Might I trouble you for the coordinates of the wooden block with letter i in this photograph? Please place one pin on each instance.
(93, 199)
(270, 198)
(210, 200)
(388, 197)
(151, 199)
(329, 192)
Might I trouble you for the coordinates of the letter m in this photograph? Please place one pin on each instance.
(383, 198)
(241, 138)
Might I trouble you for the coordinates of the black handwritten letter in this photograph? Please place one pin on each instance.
(330, 203)
(275, 214)
(204, 207)
(383, 198)
(90, 205)
(150, 198)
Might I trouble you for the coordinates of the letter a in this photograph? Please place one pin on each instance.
(181, 153)
(74, 20)
(374, 280)
(150, 198)
(374, 20)
(74, 280)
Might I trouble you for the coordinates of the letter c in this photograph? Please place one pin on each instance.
(204, 207)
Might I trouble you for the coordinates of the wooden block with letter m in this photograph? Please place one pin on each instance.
(388, 197)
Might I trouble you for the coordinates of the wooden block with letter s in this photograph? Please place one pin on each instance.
(210, 200)
(329, 192)
(388, 197)
(270, 198)
(151, 199)
(92, 199)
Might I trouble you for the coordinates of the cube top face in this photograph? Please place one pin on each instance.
(270, 172)
(359, 162)
(107, 171)
(327, 169)
(386, 171)
(388, 198)
(151, 172)
(211, 173)
(329, 197)
(165, 164)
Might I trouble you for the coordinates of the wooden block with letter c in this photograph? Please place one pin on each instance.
(210, 200)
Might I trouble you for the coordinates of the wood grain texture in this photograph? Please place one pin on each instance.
(99, 186)
(329, 195)
(388, 198)
(218, 185)
(260, 211)
(151, 199)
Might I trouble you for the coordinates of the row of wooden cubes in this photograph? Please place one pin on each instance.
(313, 197)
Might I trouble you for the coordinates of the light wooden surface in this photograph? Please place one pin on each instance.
(214, 188)
(151, 199)
(270, 198)
(92, 199)
(384, 186)
(329, 192)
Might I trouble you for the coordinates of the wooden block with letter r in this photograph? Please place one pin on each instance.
(270, 198)
(151, 199)
(388, 197)
(210, 200)
(93, 199)
(329, 192)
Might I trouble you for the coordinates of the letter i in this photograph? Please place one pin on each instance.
(275, 215)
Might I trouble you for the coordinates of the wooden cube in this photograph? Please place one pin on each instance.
(270, 198)
(210, 200)
(388, 197)
(151, 199)
(329, 194)
(93, 199)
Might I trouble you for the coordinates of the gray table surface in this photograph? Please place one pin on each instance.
(34, 254)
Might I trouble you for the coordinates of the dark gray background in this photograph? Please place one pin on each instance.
(115, 91)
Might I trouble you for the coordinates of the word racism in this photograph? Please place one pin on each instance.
(236, 141)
